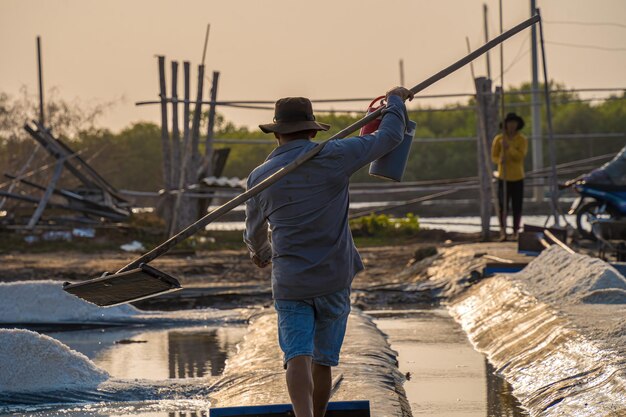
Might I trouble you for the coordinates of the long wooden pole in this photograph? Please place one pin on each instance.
(40, 75)
(503, 161)
(176, 162)
(546, 86)
(486, 30)
(195, 129)
(185, 151)
(208, 151)
(241, 198)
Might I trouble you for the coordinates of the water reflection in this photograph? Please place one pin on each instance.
(192, 353)
(156, 354)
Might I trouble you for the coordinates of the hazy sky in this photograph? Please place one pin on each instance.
(98, 50)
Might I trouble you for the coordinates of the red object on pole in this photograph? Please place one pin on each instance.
(372, 126)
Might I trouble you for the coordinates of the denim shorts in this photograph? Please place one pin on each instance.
(313, 327)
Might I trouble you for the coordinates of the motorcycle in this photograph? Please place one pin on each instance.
(596, 202)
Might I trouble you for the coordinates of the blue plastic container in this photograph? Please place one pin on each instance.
(392, 165)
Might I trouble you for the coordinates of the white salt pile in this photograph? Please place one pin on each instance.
(556, 331)
(559, 277)
(46, 302)
(588, 290)
(31, 362)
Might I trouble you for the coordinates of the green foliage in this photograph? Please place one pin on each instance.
(131, 159)
(382, 225)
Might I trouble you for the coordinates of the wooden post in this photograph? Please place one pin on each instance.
(486, 30)
(186, 116)
(165, 205)
(40, 74)
(207, 168)
(487, 115)
(536, 138)
(183, 180)
(176, 161)
(46, 195)
(546, 86)
(192, 169)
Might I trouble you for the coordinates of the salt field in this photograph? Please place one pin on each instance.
(545, 341)
(130, 363)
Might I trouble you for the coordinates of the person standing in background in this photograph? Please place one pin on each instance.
(508, 152)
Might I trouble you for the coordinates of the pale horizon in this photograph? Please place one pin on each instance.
(97, 51)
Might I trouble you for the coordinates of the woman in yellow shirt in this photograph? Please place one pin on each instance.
(508, 152)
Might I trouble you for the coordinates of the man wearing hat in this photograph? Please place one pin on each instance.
(311, 249)
(508, 152)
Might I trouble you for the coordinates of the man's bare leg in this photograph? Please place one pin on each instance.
(322, 384)
(300, 385)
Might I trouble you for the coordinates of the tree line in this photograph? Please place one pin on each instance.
(131, 158)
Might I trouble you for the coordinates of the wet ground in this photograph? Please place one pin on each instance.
(446, 377)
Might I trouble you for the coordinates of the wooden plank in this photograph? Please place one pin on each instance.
(57, 153)
(82, 164)
(72, 161)
(46, 195)
(69, 195)
(111, 215)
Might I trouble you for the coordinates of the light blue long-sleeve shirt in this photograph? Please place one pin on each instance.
(311, 247)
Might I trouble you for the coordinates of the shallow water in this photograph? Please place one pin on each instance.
(447, 377)
(146, 364)
(156, 354)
